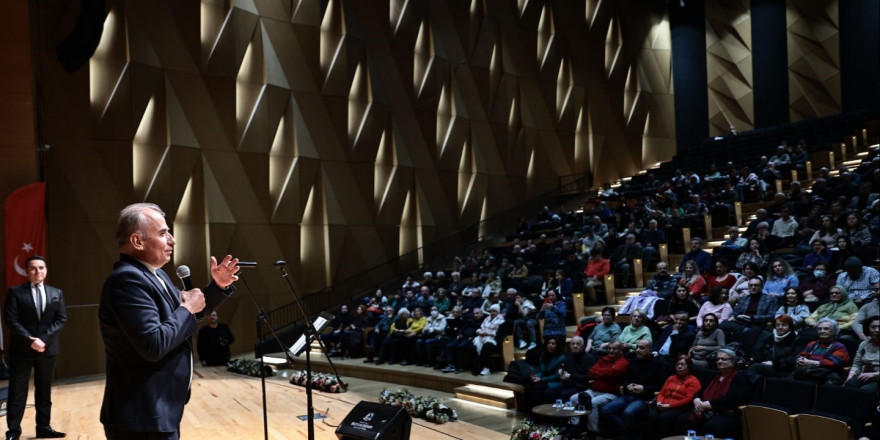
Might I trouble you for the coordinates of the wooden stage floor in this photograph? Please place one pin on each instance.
(229, 406)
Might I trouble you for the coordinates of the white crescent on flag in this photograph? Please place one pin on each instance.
(27, 247)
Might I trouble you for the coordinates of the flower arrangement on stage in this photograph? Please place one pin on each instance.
(530, 431)
(249, 367)
(320, 382)
(429, 408)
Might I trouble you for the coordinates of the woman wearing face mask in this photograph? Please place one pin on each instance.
(709, 339)
(434, 329)
(793, 306)
(779, 355)
(485, 342)
(815, 285)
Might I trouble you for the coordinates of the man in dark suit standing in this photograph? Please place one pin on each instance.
(147, 325)
(35, 313)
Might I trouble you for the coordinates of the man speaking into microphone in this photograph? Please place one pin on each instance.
(147, 325)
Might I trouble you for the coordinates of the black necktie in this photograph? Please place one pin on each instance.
(38, 300)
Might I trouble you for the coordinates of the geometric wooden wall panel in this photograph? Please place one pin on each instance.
(336, 134)
(729, 66)
(813, 58)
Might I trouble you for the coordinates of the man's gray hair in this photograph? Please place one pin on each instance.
(131, 219)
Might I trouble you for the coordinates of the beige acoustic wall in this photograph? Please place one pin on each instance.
(334, 134)
(813, 58)
(729, 66)
(19, 164)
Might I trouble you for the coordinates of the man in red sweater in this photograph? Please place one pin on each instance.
(607, 376)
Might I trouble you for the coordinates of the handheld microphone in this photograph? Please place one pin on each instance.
(183, 273)
(246, 264)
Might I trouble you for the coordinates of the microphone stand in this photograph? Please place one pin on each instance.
(261, 319)
(310, 333)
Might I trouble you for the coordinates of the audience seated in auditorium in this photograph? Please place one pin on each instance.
(702, 258)
(859, 280)
(681, 301)
(675, 338)
(353, 335)
(716, 407)
(662, 283)
(607, 376)
(866, 364)
(793, 305)
(675, 398)
(623, 257)
(721, 277)
(818, 254)
(458, 350)
(741, 286)
(545, 381)
(706, 342)
(867, 310)
(634, 331)
(602, 335)
(840, 309)
(717, 305)
(779, 356)
(575, 369)
(822, 360)
(784, 231)
(526, 323)
(377, 335)
(754, 310)
(433, 331)
(645, 375)
(692, 280)
(338, 324)
(485, 342)
(780, 277)
(816, 284)
(553, 313)
(597, 268)
(826, 232)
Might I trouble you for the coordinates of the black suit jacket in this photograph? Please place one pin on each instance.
(147, 340)
(21, 316)
(681, 342)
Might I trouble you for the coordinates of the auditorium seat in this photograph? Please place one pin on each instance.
(770, 418)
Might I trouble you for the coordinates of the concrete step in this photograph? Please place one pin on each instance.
(495, 397)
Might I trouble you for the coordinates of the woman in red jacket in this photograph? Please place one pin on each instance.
(675, 398)
(594, 274)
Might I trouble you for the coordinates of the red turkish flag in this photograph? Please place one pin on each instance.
(25, 216)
